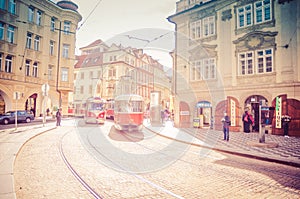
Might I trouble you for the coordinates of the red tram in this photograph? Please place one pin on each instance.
(95, 110)
(128, 112)
(109, 106)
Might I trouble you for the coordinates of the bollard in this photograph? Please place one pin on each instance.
(262, 134)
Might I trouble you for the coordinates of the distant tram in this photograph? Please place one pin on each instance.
(109, 106)
(95, 110)
(128, 112)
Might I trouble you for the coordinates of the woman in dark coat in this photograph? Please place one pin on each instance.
(247, 122)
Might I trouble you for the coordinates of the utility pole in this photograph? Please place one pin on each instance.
(58, 63)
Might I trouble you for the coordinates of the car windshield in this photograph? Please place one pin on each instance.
(9, 113)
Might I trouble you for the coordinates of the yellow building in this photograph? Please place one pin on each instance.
(108, 71)
(37, 47)
(235, 56)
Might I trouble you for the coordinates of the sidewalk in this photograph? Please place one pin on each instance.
(11, 141)
(280, 149)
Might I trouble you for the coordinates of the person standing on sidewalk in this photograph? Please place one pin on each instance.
(247, 121)
(58, 117)
(226, 123)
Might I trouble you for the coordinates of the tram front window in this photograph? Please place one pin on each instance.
(97, 107)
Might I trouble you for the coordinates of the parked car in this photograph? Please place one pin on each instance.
(22, 116)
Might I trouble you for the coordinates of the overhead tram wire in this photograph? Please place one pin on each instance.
(89, 15)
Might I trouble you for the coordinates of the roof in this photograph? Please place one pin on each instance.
(94, 59)
(94, 44)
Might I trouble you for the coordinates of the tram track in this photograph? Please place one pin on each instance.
(159, 181)
(156, 184)
(74, 173)
(139, 177)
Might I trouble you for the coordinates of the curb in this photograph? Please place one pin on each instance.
(267, 159)
(19, 145)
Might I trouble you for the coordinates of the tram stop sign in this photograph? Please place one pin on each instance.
(45, 89)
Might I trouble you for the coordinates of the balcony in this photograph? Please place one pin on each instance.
(33, 80)
(6, 76)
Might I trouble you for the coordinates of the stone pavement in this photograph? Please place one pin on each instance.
(11, 141)
(246, 144)
(280, 149)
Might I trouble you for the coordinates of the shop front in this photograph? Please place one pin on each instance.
(203, 114)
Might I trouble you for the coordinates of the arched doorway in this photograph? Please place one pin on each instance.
(204, 110)
(2, 105)
(252, 106)
(30, 104)
(5, 102)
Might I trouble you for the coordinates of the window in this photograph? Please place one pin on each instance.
(1, 31)
(27, 67)
(209, 69)
(51, 50)
(35, 69)
(259, 12)
(50, 71)
(30, 14)
(81, 89)
(2, 4)
(52, 25)
(66, 51)
(262, 11)
(203, 28)
(112, 72)
(37, 43)
(195, 30)
(244, 16)
(246, 63)
(82, 75)
(29, 40)
(91, 74)
(8, 64)
(12, 6)
(64, 74)
(264, 61)
(90, 89)
(10, 34)
(260, 61)
(67, 27)
(203, 69)
(195, 70)
(39, 17)
(208, 26)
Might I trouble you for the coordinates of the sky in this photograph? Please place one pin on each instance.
(134, 23)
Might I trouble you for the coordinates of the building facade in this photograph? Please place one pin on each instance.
(236, 56)
(37, 47)
(108, 71)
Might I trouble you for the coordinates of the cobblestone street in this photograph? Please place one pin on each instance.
(39, 166)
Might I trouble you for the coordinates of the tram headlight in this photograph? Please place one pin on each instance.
(101, 115)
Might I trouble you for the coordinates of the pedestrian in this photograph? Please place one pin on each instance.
(47, 111)
(58, 117)
(162, 115)
(247, 120)
(32, 111)
(167, 115)
(226, 123)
